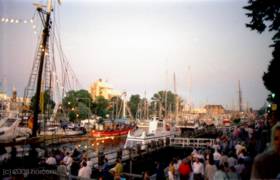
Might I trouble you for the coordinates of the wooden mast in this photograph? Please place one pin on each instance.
(42, 48)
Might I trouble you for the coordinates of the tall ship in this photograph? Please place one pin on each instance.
(48, 83)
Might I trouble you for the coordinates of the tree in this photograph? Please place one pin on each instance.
(48, 103)
(266, 14)
(163, 102)
(83, 111)
(77, 104)
(72, 116)
(133, 104)
(101, 106)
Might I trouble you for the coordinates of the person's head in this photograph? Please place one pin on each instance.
(84, 164)
(146, 175)
(275, 137)
(118, 160)
(221, 167)
(211, 159)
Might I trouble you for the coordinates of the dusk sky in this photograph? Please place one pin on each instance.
(137, 45)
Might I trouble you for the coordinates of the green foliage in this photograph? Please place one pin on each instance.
(83, 111)
(48, 103)
(164, 102)
(133, 104)
(266, 14)
(101, 106)
(72, 116)
(77, 104)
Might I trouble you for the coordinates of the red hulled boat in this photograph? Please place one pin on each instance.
(110, 133)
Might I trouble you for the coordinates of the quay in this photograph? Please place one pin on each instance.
(235, 142)
(135, 160)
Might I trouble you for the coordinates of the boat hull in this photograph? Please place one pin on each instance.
(120, 132)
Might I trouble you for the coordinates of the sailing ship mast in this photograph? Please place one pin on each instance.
(43, 48)
(176, 97)
(124, 105)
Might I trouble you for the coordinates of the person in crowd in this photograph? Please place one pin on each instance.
(198, 169)
(240, 166)
(74, 168)
(171, 171)
(217, 157)
(210, 168)
(232, 174)
(184, 170)
(220, 173)
(232, 161)
(223, 158)
(159, 171)
(267, 164)
(62, 171)
(117, 169)
(85, 171)
(146, 175)
(105, 169)
(177, 162)
(68, 160)
(51, 160)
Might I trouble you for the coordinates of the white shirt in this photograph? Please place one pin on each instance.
(68, 161)
(198, 168)
(217, 156)
(85, 172)
(90, 163)
(51, 161)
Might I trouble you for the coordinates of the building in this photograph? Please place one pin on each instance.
(11, 103)
(101, 88)
(215, 109)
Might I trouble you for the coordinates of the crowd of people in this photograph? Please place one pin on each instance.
(243, 152)
(247, 151)
(77, 164)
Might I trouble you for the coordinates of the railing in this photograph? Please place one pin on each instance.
(191, 142)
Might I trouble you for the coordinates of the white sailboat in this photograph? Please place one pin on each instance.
(11, 129)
